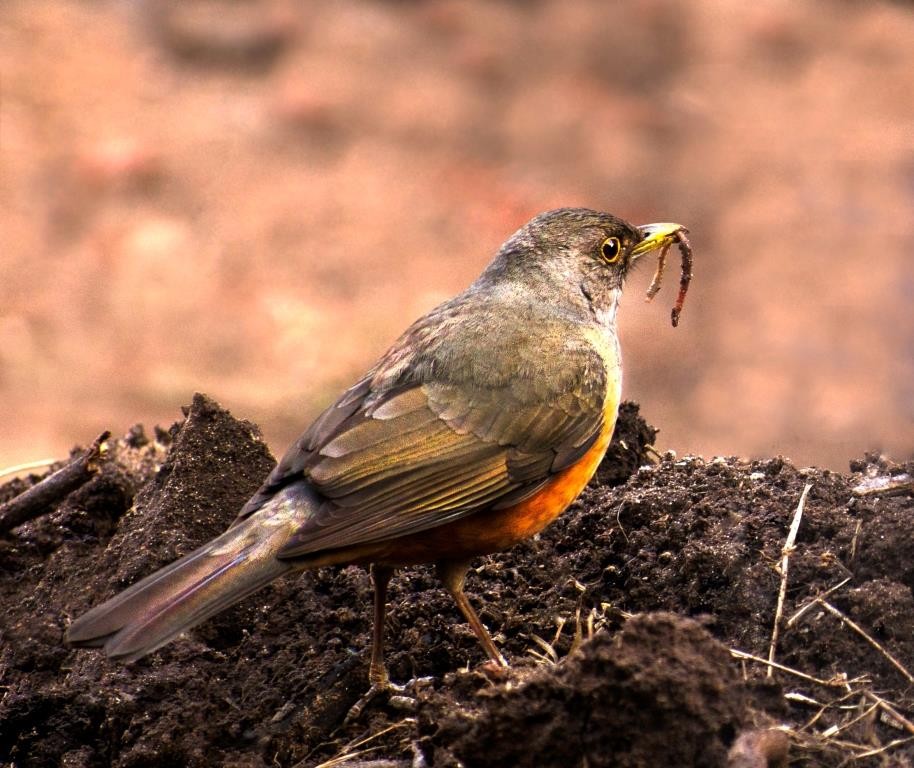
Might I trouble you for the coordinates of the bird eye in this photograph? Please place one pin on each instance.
(611, 249)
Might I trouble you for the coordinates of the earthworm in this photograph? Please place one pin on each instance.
(654, 287)
(685, 277)
(685, 248)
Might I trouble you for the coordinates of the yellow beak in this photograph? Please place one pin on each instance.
(657, 236)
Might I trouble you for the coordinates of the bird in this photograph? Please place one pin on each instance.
(477, 428)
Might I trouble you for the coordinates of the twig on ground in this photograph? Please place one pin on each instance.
(786, 551)
(891, 711)
(867, 712)
(35, 501)
(866, 636)
(833, 683)
(830, 739)
(801, 611)
(823, 708)
(883, 748)
(898, 485)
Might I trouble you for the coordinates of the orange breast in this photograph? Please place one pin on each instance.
(495, 530)
(500, 529)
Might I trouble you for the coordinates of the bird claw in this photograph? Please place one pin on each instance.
(400, 697)
(395, 693)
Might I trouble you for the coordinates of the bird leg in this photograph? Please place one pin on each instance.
(452, 575)
(377, 671)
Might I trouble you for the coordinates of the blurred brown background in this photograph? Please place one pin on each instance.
(253, 199)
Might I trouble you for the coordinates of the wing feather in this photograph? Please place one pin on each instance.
(407, 449)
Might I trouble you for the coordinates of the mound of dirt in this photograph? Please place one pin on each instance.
(633, 625)
(661, 687)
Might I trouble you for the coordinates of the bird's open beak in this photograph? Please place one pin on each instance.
(656, 236)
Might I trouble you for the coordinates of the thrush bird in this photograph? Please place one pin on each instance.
(475, 430)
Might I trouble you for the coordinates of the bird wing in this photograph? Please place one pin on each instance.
(399, 455)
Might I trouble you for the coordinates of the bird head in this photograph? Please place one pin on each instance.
(587, 251)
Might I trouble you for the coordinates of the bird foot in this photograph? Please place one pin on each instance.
(400, 697)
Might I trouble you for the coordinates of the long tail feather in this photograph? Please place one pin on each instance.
(170, 601)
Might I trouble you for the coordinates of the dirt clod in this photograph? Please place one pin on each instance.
(662, 685)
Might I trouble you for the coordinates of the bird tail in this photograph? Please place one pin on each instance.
(232, 566)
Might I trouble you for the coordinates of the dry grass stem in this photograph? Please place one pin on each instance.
(838, 682)
(883, 749)
(550, 656)
(802, 698)
(352, 751)
(853, 552)
(786, 551)
(828, 742)
(835, 704)
(866, 636)
(578, 636)
(802, 610)
(868, 712)
(27, 467)
(891, 711)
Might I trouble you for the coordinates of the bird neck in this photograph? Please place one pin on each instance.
(602, 302)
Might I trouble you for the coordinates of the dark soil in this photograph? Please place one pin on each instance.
(618, 621)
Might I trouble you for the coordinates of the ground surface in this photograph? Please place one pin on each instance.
(619, 622)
